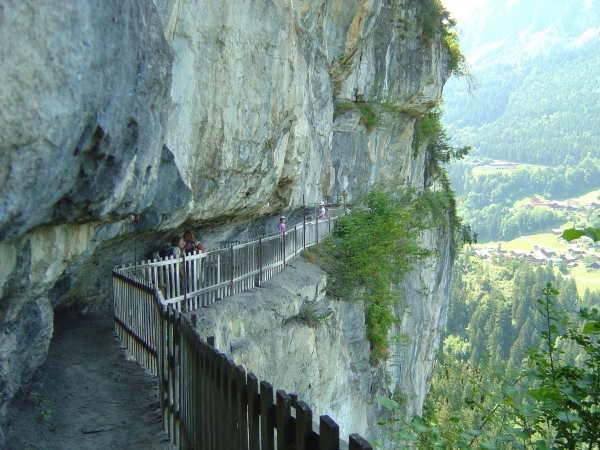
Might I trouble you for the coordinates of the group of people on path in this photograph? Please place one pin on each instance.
(320, 215)
(184, 244)
(188, 244)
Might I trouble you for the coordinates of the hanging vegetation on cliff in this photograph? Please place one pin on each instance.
(370, 251)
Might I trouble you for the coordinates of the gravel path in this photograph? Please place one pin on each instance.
(87, 395)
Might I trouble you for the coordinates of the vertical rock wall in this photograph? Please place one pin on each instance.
(192, 114)
(83, 109)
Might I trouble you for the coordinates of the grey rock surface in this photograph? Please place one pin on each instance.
(83, 109)
(290, 334)
(202, 115)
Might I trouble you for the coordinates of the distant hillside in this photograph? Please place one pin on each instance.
(538, 67)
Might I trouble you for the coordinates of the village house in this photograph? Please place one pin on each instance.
(481, 254)
(497, 165)
(536, 256)
(593, 266)
(517, 253)
(548, 252)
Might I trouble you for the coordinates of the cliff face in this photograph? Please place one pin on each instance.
(291, 334)
(204, 115)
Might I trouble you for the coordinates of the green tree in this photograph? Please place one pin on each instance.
(550, 404)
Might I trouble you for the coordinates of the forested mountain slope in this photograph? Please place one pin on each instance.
(538, 70)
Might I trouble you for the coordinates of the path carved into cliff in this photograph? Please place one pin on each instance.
(87, 395)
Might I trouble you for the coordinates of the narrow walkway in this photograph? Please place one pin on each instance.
(87, 395)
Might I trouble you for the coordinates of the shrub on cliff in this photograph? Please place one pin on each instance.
(370, 251)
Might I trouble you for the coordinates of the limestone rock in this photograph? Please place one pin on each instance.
(83, 108)
(214, 116)
(280, 333)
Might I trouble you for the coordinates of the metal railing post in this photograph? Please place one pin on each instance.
(184, 283)
(283, 244)
(295, 240)
(231, 269)
(317, 230)
(304, 224)
(260, 265)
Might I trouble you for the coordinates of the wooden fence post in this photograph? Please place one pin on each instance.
(329, 432)
(303, 426)
(253, 412)
(283, 420)
(242, 407)
(357, 442)
(267, 424)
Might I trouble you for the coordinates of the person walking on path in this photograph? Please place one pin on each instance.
(321, 212)
(282, 223)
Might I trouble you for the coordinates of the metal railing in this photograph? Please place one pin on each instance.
(207, 402)
(192, 281)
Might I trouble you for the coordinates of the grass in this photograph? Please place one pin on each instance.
(528, 243)
(479, 170)
(590, 196)
(482, 171)
(368, 119)
(585, 279)
(520, 203)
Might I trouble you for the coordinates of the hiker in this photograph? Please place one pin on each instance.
(282, 223)
(321, 211)
(165, 274)
(177, 246)
(194, 270)
(191, 244)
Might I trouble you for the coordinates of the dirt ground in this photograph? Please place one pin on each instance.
(87, 395)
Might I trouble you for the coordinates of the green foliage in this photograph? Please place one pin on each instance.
(368, 119)
(486, 200)
(543, 111)
(430, 129)
(551, 404)
(458, 61)
(430, 133)
(436, 19)
(572, 234)
(437, 22)
(312, 315)
(370, 250)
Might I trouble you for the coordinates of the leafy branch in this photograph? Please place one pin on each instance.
(552, 404)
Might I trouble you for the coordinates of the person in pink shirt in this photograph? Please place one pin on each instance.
(282, 223)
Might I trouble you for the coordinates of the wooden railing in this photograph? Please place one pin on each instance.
(207, 402)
